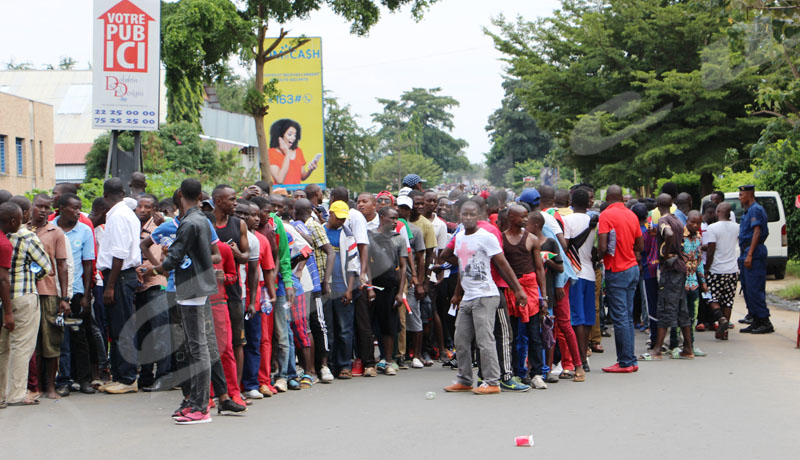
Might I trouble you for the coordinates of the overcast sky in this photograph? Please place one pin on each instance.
(446, 49)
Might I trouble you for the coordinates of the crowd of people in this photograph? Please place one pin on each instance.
(239, 295)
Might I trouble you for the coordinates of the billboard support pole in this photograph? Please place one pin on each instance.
(112, 151)
(137, 152)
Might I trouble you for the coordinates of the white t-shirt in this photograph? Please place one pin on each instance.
(475, 254)
(726, 235)
(574, 225)
(374, 224)
(551, 222)
(358, 226)
(440, 230)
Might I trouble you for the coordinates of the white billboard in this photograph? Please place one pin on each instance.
(127, 37)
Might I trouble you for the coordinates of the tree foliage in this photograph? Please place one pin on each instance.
(420, 123)
(362, 14)
(347, 147)
(515, 136)
(197, 38)
(634, 89)
(390, 170)
(175, 147)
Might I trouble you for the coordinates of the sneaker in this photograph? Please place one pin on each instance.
(326, 375)
(264, 390)
(370, 372)
(390, 369)
(394, 366)
(193, 418)
(232, 407)
(514, 384)
(181, 409)
(358, 368)
(538, 382)
(551, 378)
(617, 369)
(280, 385)
(416, 363)
(293, 384)
(699, 352)
(121, 388)
(457, 388)
(401, 363)
(426, 360)
(486, 389)
(381, 366)
(253, 394)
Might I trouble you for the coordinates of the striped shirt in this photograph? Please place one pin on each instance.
(320, 238)
(28, 250)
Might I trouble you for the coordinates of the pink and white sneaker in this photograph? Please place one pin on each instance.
(193, 418)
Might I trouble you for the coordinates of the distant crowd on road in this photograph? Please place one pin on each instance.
(238, 295)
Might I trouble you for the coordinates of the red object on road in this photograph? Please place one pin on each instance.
(797, 201)
(524, 441)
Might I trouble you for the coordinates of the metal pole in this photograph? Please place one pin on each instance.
(112, 150)
(137, 150)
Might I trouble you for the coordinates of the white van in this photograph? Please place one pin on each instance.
(777, 246)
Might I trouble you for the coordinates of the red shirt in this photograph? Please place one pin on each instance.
(6, 251)
(228, 265)
(625, 225)
(265, 262)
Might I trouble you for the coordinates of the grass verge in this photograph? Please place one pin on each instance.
(789, 293)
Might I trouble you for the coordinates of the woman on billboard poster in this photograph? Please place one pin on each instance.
(286, 161)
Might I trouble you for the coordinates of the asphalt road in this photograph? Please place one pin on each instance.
(740, 402)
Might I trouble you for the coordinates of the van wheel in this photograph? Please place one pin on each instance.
(780, 273)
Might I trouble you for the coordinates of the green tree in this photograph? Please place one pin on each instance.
(515, 136)
(362, 14)
(389, 170)
(421, 123)
(628, 107)
(197, 38)
(174, 147)
(347, 147)
(67, 63)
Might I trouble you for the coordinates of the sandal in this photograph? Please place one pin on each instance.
(580, 376)
(345, 374)
(597, 348)
(306, 381)
(650, 357)
(567, 375)
(24, 402)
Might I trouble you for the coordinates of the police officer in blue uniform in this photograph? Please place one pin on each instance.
(753, 232)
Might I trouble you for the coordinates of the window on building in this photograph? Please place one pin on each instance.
(20, 166)
(2, 154)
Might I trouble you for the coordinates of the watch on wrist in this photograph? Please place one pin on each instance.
(66, 299)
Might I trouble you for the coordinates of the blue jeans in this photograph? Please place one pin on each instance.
(342, 346)
(620, 289)
(252, 351)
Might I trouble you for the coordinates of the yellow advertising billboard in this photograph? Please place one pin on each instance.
(294, 123)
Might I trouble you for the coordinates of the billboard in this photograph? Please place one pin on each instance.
(294, 124)
(125, 79)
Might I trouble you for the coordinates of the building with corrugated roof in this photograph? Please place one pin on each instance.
(69, 92)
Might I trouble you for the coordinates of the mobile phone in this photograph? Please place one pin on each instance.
(229, 241)
(316, 158)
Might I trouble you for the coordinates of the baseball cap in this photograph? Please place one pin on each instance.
(405, 201)
(530, 196)
(340, 209)
(412, 179)
(209, 202)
